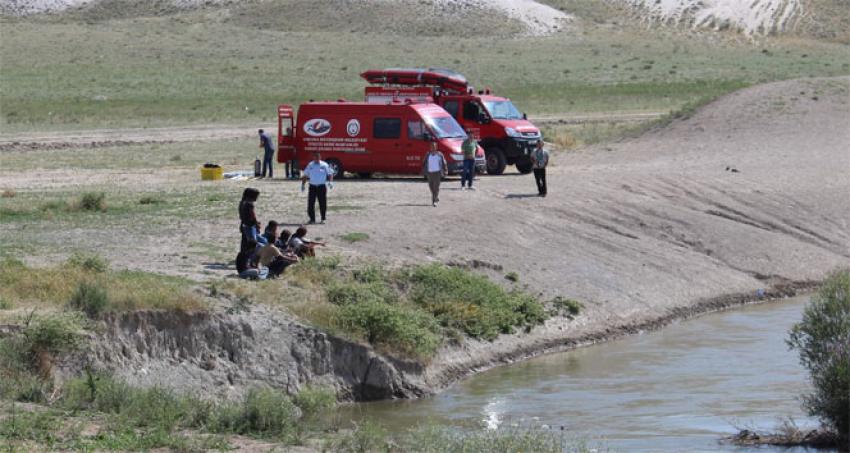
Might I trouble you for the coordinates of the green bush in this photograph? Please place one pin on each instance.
(568, 306)
(89, 298)
(315, 401)
(823, 340)
(265, 412)
(89, 262)
(397, 327)
(91, 201)
(471, 302)
(348, 292)
(53, 333)
(367, 437)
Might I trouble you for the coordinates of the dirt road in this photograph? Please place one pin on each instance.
(102, 138)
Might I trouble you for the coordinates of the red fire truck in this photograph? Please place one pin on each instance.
(505, 134)
(364, 138)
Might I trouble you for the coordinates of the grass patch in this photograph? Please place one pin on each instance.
(566, 307)
(90, 201)
(409, 311)
(111, 71)
(151, 199)
(354, 237)
(434, 438)
(23, 286)
(142, 418)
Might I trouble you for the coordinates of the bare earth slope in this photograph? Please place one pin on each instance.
(750, 192)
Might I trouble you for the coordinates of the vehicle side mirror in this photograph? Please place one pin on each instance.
(524, 116)
(427, 137)
(483, 118)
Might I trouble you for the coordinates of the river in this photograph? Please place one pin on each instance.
(678, 389)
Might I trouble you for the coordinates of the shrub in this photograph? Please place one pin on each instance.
(8, 193)
(89, 298)
(367, 437)
(823, 340)
(91, 201)
(315, 401)
(150, 199)
(42, 339)
(397, 327)
(345, 293)
(264, 411)
(568, 306)
(450, 294)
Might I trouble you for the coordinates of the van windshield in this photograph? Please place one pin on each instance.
(502, 110)
(445, 127)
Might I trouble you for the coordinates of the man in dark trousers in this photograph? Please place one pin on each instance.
(539, 160)
(321, 178)
(268, 153)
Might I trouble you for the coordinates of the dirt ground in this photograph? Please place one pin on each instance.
(749, 192)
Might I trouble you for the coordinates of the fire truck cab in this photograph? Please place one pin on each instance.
(392, 136)
(506, 135)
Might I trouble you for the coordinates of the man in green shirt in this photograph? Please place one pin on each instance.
(469, 148)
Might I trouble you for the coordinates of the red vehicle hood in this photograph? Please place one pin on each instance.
(521, 126)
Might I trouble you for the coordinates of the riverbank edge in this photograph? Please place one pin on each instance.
(223, 354)
(443, 373)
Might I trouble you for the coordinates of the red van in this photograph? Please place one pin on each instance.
(505, 133)
(365, 138)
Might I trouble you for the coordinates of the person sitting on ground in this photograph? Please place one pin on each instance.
(276, 261)
(249, 226)
(301, 245)
(283, 240)
(270, 232)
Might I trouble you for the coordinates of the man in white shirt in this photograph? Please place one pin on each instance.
(434, 168)
(320, 175)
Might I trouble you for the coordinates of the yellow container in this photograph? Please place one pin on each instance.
(212, 174)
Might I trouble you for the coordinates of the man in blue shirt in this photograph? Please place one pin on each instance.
(268, 153)
(321, 177)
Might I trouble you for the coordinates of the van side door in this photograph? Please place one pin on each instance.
(417, 144)
(386, 147)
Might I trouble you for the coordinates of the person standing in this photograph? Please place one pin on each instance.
(321, 177)
(469, 147)
(539, 160)
(268, 153)
(249, 226)
(434, 168)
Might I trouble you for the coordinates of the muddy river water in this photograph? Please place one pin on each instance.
(678, 389)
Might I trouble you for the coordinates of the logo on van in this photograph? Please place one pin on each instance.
(353, 128)
(317, 127)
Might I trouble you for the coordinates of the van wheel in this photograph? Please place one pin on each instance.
(524, 165)
(495, 160)
(364, 174)
(336, 168)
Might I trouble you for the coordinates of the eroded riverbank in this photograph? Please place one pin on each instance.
(680, 388)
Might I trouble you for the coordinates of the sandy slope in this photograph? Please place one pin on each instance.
(752, 16)
(540, 19)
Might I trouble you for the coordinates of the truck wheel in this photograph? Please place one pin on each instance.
(524, 165)
(364, 174)
(336, 168)
(495, 161)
